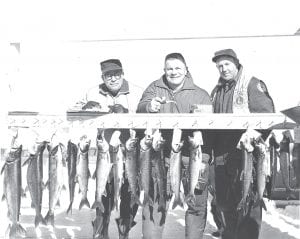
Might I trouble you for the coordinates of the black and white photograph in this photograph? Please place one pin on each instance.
(150, 119)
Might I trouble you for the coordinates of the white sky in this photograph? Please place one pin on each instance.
(55, 67)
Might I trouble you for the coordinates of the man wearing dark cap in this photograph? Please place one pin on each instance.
(175, 92)
(236, 92)
(114, 95)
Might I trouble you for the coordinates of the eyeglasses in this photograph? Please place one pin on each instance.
(117, 76)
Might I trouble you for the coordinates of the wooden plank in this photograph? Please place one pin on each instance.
(158, 121)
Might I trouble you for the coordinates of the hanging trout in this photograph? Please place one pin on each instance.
(72, 151)
(35, 181)
(261, 169)
(175, 168)
(55, 181)
(82, 168)
(195, 165)
(131, 167)
(245, 177)
(12, 190)
(285, 162)
(145, 169)
(103, 167)
(159, 175)
(296, 162)
(117, 157)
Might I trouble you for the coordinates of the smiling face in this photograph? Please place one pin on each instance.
(227, 68)
(175, 71)
(113, 80)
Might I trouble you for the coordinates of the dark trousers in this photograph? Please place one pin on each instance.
(228, 194)
(195, 216)
(127, 214)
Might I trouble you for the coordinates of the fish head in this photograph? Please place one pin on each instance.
(102, 145)
(84, 144)
(97, 227)
(131, 143)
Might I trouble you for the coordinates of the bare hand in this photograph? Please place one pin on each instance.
(155, 104)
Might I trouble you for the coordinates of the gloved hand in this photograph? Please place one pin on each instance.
(91, 105)
(117, 108)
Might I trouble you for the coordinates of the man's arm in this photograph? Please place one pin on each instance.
(259, 99)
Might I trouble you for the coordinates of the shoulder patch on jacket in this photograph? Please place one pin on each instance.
(261, 86)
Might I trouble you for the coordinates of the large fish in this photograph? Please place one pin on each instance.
(35, 181)
(82, 168)
(103, 167)
(117, 157)
(160, 175)
(261, 169)
(296, 162)
(72, 151)
(284, 159)
(175, 173)
(12, 190)
(131, 167)
(245, 177)
(195, 166)
(56, 180)
(145, 169)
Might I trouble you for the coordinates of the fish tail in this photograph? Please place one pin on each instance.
(49, 219)
(70, 207)
(83, 202)
(162, 205)
(242, 206)
(16, 230)
(177, 202)
(39, 219)
(98, 204)
(135, 200)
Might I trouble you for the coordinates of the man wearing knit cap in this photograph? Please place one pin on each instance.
(114, 95)
(176, 92)
(236, 92)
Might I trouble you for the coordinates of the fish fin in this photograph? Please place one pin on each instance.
(89, 173)
(3, 197)
(26, 161)
(46, 185)
(32, 205)
(79, 190)
(49, 219)
(83, 202)
(177, 202)
(23, 193)
(64, 187)
(3, 168)
(70, 207)
(58, 203)
(39, 219)
(94, 175)
(135, 200)
(99, 205)
(104, 193)
(133, 223)
(263, 204)
(16, 230)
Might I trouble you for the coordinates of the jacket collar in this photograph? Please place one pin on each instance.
(188, 83)
(123, 91)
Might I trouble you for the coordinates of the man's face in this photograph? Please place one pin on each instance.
(113, 80)
(175, 71)
(227, 68)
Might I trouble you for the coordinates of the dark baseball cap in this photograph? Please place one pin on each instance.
(225, 52)
(111, 65)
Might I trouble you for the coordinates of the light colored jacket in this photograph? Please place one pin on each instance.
(128, 97)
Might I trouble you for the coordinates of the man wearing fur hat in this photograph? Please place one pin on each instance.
(236, 92)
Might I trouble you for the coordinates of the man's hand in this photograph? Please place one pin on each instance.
(91, 105)
(155, 104)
